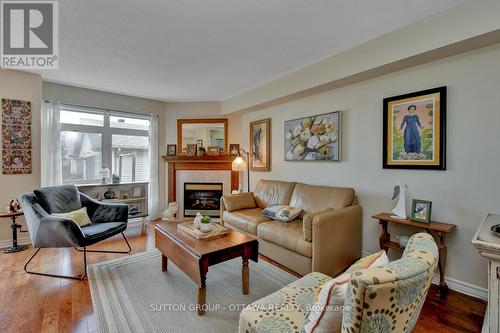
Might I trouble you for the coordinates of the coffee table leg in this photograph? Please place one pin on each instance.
(202, 298)
(245, 276)
(164, 263)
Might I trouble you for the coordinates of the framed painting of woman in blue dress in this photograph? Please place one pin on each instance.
(415, 130)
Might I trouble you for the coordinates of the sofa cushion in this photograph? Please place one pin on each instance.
(238, 201)
(288, 235)
(273, 192)
(59, 199)
(315, 198)
(245, 219)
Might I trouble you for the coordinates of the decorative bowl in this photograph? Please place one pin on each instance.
(496, 229)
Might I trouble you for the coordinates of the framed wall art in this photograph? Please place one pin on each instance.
(16, 136)
(415, 130)
(260, 143)
(316, 138)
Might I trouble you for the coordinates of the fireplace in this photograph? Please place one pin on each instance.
(202, 197)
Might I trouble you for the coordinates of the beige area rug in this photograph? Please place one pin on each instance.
(132, 294)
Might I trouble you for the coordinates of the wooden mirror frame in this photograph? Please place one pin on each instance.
(180, 122)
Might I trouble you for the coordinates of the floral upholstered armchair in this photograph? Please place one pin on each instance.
(386, 298)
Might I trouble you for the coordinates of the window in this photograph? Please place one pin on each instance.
(92, 139)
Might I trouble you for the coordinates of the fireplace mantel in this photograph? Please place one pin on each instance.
(207, 162)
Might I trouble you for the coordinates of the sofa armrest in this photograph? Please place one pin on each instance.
(336, 239)
(104, 212)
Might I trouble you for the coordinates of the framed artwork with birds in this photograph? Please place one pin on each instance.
(260, 144)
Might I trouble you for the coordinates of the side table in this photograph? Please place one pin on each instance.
(14, 226)
(438, 230)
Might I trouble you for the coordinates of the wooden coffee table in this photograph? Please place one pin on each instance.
(194, 256)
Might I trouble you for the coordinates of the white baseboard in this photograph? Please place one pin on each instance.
(457, 285)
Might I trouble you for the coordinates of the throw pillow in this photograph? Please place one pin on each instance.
(281, 213)
(307, 224)
(239, 201)
(80, 216)
(326, 312)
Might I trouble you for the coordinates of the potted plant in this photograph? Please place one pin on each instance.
(201, 151)
(206, 224)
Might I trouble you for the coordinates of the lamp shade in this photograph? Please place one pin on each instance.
(238, 164)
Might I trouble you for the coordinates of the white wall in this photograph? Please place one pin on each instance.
(27, 87)
(463, 194)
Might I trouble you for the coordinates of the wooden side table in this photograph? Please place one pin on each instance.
(14, 226)
(438, 230)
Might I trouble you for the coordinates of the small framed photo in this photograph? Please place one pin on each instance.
(234, 148)
(213, 150)
(171, 150)
(191, 149)
(137, 192)
(125, 194)
(134, 208)
(199, 143)
(421, 211)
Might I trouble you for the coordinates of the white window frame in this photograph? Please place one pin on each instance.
(106, 132)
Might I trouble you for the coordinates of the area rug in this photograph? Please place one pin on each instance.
(132, 294)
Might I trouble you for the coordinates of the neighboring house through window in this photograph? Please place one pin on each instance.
(92, 139)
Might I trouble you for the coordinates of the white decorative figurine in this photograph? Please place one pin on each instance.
(197, 220)
(171, 210)
(400, 193)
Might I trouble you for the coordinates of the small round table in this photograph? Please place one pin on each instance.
(14, 226)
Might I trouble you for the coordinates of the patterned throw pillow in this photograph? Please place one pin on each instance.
(326, 313)
(80, 216)
(281, 213)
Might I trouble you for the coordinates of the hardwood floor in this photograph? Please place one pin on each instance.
(31, 303)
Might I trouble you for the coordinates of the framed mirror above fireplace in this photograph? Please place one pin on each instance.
(203, 132)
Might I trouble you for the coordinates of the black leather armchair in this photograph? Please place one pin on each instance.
(47, 231)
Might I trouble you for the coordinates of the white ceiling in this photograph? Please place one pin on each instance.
(213, 49)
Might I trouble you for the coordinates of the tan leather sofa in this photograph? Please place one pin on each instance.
(330, 244)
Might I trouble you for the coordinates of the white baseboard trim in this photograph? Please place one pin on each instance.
(456, 285)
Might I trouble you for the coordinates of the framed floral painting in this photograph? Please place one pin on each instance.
(260, 143)
(415, 130)
(315, 138)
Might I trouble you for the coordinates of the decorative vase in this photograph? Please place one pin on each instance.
(197, 220)
(206, 227)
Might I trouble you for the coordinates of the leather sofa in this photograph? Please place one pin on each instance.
(325, 238)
